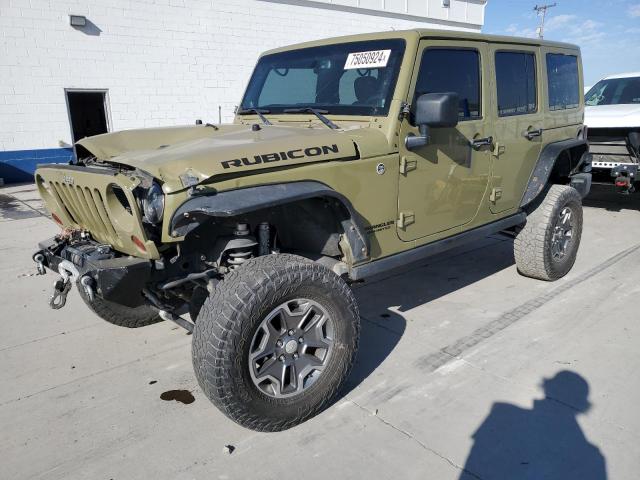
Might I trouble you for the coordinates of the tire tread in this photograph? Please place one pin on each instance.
(532, 244)
(219, 333)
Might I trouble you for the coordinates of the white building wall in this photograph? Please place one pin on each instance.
(168, 62)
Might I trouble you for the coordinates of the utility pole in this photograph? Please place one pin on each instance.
(541, 10)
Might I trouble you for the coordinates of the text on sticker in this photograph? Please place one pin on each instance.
(373, 59)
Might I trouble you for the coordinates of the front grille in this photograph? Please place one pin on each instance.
(98, 201)
(87, 209)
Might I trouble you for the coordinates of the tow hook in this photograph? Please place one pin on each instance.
(39, 259)
(68, 273)
(61, 288)
(625, 176)
(87, 284)
(624, 185)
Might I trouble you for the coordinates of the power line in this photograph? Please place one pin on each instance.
(541, 10)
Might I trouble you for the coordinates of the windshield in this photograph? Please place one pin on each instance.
(349, 78)
(615, 91)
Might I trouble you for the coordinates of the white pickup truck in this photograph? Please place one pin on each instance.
(612, 116)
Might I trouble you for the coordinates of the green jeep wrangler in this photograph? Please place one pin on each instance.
(347, 158)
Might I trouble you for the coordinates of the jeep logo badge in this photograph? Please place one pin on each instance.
(68, 180)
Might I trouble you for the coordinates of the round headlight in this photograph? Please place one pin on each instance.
(153, 204)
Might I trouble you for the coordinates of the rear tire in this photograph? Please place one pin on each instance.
(129, 317)
(547, 246)
(253, 343)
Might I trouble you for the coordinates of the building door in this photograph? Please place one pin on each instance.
(87, 113)
(441, 185)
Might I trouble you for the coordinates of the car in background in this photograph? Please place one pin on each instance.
(612, 115)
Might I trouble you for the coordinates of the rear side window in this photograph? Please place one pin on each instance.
(564, 86)
(516, 83)
(452, 70)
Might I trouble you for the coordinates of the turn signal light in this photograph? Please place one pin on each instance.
(56, 219)
(139, 243)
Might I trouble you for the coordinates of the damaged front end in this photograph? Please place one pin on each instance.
(133, 236)
(176, 283)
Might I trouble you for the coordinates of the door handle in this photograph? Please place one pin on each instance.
(481, 142)
(531, 134)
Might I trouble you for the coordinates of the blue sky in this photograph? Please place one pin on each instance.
(608, 31)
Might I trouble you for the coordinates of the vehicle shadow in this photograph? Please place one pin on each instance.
(440, 275)
(383, 299)
(605, 196)
(545, 441)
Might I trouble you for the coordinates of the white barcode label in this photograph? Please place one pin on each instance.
(373, 59)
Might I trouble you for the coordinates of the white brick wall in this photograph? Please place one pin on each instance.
(165, 61)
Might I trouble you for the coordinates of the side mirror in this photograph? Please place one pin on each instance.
(433, 110)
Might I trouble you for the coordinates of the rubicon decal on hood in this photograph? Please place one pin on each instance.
(279, 156)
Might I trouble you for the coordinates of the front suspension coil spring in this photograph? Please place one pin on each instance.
(238, 257)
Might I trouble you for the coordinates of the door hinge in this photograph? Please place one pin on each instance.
(406, 219)
(407, 164)
(496, 194)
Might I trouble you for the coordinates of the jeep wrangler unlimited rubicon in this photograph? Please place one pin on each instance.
(347, 158)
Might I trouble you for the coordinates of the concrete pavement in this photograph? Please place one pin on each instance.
(456, 356)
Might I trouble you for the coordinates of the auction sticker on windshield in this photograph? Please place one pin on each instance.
(372, 59)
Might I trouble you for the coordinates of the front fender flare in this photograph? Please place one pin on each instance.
(197, 210)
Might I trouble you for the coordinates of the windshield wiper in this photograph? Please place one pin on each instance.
(257, 111)
(316, 112)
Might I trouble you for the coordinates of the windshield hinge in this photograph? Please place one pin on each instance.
(405, 109)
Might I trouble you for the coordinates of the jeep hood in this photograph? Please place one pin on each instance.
(204, 152)
(612, 116)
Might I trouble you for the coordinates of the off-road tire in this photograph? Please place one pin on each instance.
(129, 317)
(533, 244)
(229, 319)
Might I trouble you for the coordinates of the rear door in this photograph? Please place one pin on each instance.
(517, 118)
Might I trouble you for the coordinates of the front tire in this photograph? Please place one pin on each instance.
(275, 341)
(547, 246)
(129, 317)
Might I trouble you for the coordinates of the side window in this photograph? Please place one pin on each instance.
(516, 83)
(564, 85)
(452, 70)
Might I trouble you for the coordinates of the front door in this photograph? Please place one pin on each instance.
(441, 185)
(517, 119)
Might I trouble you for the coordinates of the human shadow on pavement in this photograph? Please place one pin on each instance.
(544, 442)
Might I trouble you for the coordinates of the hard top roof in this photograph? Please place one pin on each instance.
(428, 33)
